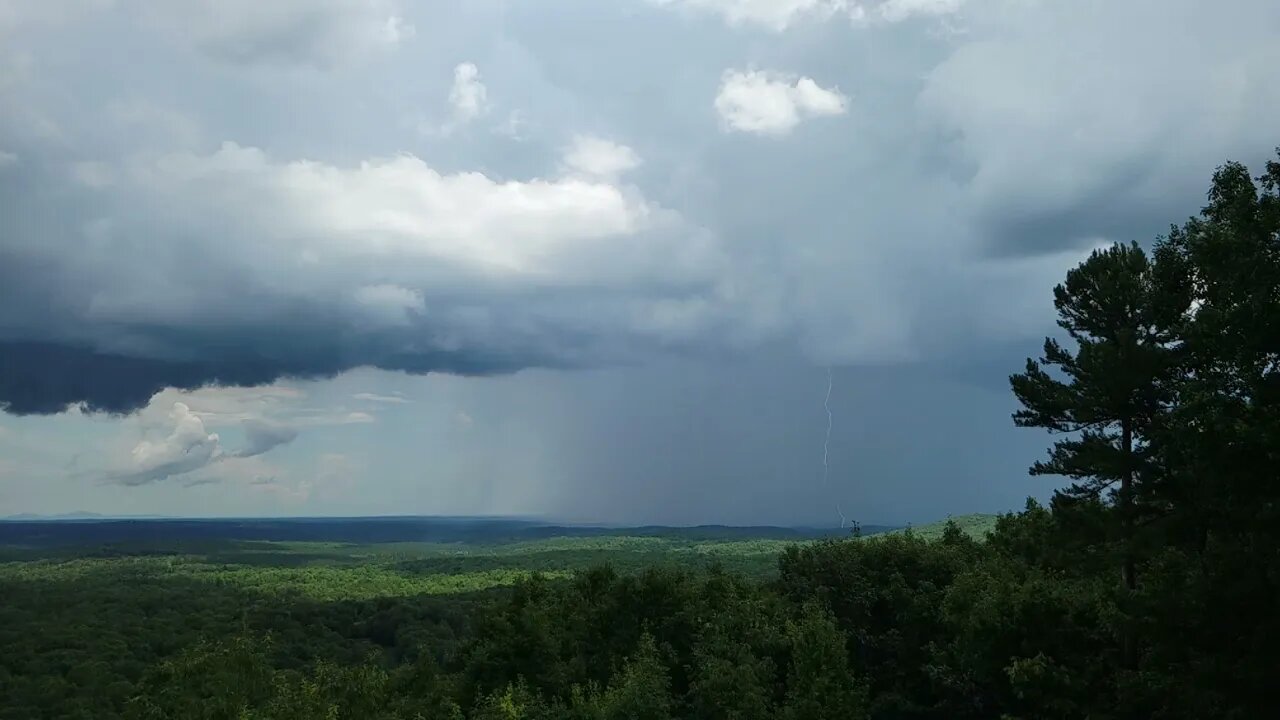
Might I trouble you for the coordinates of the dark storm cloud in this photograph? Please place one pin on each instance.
(43, 378)
(1121, 208)
(1111, 211)
(40, 377)
(1063, 125)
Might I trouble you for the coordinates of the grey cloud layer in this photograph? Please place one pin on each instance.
(253, 194)
(263, 436)
(319, 33)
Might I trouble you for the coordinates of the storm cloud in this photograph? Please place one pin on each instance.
(242, 270)
(47, 377)
(170, 235)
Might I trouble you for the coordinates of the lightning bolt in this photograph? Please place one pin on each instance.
(826, 448)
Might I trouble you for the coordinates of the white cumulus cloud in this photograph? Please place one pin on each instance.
(223, 405)
(597, 157)
(180, 438)
(468, 97)
(187, 447)
(780, 15)
(773, 14)
(887, 12)
(771, 103)
(393, 399)
(398, 208)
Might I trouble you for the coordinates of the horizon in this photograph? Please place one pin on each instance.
(545, 521)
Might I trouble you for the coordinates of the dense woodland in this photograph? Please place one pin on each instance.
(1146, 588)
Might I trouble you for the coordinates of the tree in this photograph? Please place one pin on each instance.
(1107, 394)
(1223, 437)
(209, 680)
(820, 684)
(1220, 448)
(516, 702)
(642, 690)
(730, 680)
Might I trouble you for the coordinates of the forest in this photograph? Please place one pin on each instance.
(1146, 587)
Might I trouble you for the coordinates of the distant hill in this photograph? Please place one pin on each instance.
(975, 525)
(81, 530)
(79, 515)
(84, 527)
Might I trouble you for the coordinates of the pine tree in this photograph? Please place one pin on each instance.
(1109, 392)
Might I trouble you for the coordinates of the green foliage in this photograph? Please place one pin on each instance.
(514, 702)
(820, 685)
(885, 592)
(732, 678)
(642, 691)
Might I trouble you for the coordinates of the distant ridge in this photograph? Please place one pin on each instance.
(81, 528)
(975, 525)
(29, 529)
(80, 515)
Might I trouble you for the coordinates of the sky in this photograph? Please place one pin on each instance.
(584, 260)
